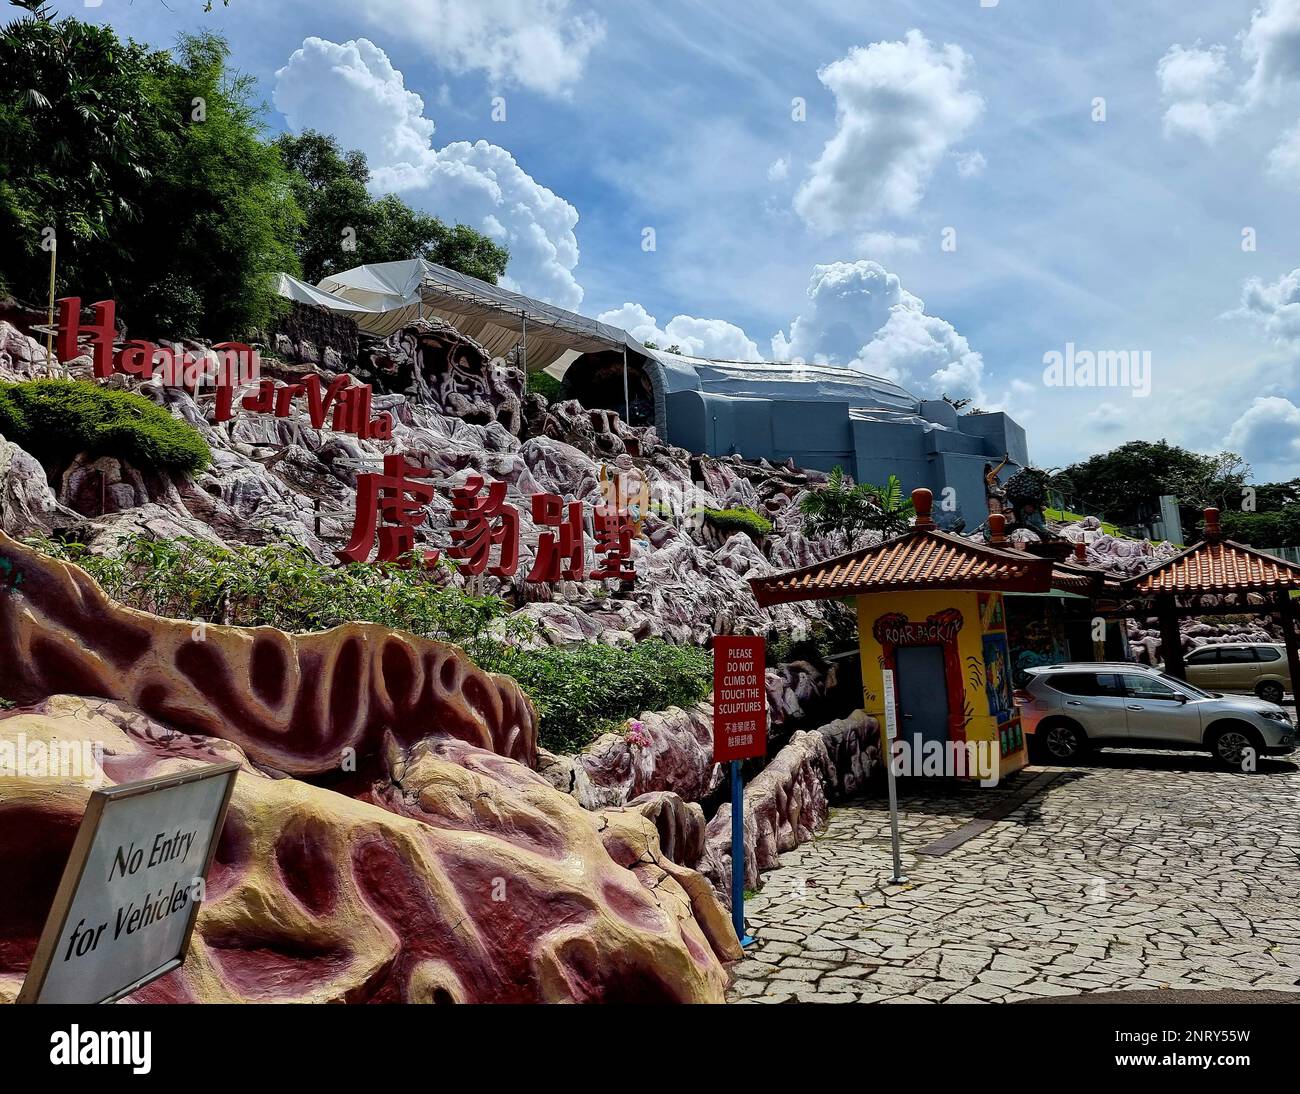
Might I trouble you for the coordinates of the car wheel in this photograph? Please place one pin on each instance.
(1229, 745)
(1061, 742)
(1270, 691)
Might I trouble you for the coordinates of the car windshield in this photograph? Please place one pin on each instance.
(1183, 685)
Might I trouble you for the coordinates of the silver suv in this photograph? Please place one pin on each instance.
(1066, 708)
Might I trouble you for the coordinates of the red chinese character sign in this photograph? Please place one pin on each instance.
(562, 553)
(739, 698)
(398, 498)
(483, 521)
(485, 528)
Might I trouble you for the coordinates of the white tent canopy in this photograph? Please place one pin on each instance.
(384, 296)
(303, 293)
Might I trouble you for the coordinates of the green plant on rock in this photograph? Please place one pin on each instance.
(546, 385)
(587, 689)
(839, 507)
(738, 519)
(579, 691)
(55, 420)
(283, 586)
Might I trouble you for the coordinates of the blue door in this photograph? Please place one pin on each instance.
(922, 693)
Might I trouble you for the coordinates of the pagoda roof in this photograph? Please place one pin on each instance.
(1216, 565)
(921, 558)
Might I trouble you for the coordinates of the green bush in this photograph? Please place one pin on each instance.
(740, 519)
(56, 419)
(585, 690)
(580, 691)
(546, 385)
(283, 586)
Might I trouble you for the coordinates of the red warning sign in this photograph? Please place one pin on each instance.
(739, 698)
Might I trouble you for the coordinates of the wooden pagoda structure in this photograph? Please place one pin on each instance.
(1216, 576)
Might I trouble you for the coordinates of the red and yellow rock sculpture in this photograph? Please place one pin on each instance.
(294, 702)
(455, 873)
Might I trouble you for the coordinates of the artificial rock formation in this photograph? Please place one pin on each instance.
(304, 704)
(788, 802)
(278, 478)
(463, 878)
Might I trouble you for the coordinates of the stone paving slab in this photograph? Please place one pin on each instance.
(1137, 871)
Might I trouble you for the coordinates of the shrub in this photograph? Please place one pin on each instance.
(580, 691)
(740, 519)
(584, 690)
(56, 419)
(283, 586)
(546, 385)
(839, 507)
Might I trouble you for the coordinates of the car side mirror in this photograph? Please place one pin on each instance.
(1181, 697)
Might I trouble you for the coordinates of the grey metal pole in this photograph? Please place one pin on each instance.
(523, 315)
(891, 731)
(627, 402)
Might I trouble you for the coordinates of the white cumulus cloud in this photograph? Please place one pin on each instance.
(1191, 80)
(1272, 45)
(1202, 94)
(1267, 436)
(541, 45)
(1284, 159)
(899, 107)
(1193, 73)
(352, 91)
(860, 315)
(712, 338)
(1274, 307)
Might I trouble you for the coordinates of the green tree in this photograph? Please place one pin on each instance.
(221, 218)
(150, 170)
(839, 506)
(344, 227)
(1123, 485)
(76, 164)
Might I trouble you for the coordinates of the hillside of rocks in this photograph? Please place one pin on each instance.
(277, 478)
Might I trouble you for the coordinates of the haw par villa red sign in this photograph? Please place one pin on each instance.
(395, 498)
(235, 364)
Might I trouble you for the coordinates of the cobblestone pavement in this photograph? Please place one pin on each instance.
(1136, 871)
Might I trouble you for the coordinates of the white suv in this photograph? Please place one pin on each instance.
(1066, 708)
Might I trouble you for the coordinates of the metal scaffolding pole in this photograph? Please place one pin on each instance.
(523, 315)
(627, 402)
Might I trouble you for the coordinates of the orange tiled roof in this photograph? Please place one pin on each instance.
(1074, 579)
(1217, 566)
(923, 558)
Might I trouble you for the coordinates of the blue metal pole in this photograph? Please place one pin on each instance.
(738, 854)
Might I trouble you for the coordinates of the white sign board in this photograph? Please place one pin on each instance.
(891, 707)
(131, 888)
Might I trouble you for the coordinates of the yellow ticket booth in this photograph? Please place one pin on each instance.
(930, 609)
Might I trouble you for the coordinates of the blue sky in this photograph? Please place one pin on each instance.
(827, 232)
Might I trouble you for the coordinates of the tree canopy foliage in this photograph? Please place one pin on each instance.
(152, 174)
(345, 227)
(1123, 485)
